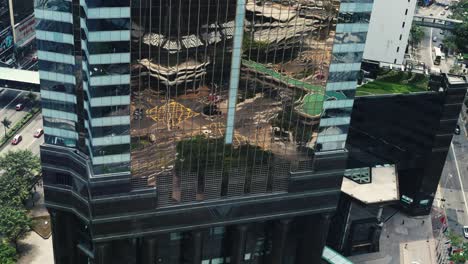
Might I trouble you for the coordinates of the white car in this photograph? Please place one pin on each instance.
(465, 232)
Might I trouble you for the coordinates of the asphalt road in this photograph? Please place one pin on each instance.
(28, 142)
(426, 45)
(8, 100)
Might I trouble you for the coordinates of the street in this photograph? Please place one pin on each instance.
(454, 176)
(8, 100)
(28, 142)
(424, 50)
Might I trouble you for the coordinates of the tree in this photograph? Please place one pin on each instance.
(6, 124)
(450, 43)
(20, 169)
(460, 257)
(14, 222)
(416, 34)
(7, 253)
(31, 97)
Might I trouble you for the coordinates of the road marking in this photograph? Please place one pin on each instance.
(459, 177)
(11, 101)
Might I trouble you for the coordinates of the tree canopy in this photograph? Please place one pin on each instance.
(460, 12)
(416, 34)
(7, 253)
(18, 175)
(14, 222)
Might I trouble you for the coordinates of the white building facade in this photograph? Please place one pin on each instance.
(389, 30)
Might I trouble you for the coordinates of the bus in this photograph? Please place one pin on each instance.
(437, 56)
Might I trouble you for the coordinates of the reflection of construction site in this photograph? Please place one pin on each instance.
(180, 89)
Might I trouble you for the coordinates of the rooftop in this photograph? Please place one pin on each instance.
(394, 82)
(382, 188)
(19, 75)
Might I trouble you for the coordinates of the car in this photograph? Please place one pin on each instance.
(442, 14)
(17, 139)
(457, 130)
(465, 232)
(447, 8)
(38, 133)
(431, 14)
(434, 39)
(19, 107)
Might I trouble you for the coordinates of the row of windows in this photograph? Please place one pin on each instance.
(106, 131)
(110, 150)
(57, 86)
(54, 26)
(56, 67)
(108, 47)
(106, 3)
(109, 90)
(58, 105)
(351, 17)
(109, 69)
(108, 24)
(59, 123)
(347, 57)
(106, 111)
(343, 76)
(54, 5)
(51, 46)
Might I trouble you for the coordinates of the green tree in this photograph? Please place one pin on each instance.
(14, 222)
(462, 256)
(7, 253)
(20, 169)
(6, 124)
(416, 35)
(31, 97)
(450, 43)
(460, 11)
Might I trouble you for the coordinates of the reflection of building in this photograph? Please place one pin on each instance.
(411, 131)
(16, 27)
(389, 30)
(6, 34)
(196, 131)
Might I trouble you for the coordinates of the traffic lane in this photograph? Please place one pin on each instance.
(8, 99)
(29, 141)
(453, 199)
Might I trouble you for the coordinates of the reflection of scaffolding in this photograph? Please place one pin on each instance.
(171, 114)
(218, 129)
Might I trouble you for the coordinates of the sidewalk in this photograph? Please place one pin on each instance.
(33, 248)
(404, 240)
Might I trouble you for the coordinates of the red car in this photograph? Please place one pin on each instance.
(38, 133)
(17, 139)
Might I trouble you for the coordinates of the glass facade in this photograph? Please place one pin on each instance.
(345, 65)
(200, 99)
(238, 89)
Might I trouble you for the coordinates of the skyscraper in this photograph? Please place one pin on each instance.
(196, 131)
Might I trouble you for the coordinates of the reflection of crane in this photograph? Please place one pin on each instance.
(171, 114)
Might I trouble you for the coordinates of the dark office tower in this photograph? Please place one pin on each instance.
(413, 131)
(196, 131)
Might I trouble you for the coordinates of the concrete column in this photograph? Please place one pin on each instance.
(197, 240)
(379, 214)
(149, 250)
(279, 241)
(238, 246)
(315, 235)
